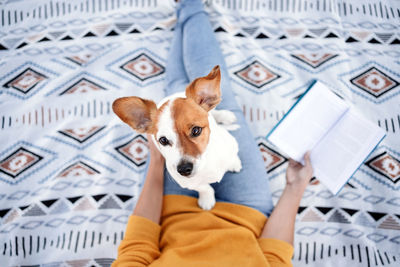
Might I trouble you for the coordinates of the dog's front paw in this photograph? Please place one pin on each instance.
(223, 116)
(231, 127)
(237, 166)
(206, 202)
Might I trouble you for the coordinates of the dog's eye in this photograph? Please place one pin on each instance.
(163, 141)
(196, 131)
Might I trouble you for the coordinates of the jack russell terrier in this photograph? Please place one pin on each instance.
(192, 136)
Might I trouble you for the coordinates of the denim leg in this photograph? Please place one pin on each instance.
(176, 77)
(201, 53)
(249, 187)
(176, 81)
(201, 50)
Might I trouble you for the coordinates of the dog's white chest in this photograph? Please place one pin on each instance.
(219, 156)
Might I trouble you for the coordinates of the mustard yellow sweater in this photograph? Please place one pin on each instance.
(189, 236)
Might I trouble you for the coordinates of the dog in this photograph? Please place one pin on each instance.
(192, 136)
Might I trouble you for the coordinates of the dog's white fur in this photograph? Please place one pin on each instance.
(202, 158)
(220, 155)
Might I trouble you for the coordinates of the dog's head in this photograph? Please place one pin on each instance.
(180, 126)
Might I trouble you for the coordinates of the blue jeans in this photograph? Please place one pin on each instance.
(193, 53)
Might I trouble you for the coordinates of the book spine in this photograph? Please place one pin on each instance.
(292, 107)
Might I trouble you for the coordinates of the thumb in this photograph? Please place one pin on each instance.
(307, 158)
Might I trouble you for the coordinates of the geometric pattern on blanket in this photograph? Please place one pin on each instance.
(71, 171)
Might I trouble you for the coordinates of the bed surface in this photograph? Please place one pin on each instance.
(71, 171)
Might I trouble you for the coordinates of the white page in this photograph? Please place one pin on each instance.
(308, 121)
(339, 153)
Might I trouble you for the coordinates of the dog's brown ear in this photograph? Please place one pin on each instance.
(205, 91)
(138, 113)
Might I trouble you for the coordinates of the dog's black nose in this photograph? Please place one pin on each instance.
(185, 168)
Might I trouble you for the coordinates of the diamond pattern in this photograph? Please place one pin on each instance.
(374, 82)
(81, 60)
(83, 86)
(78, 169)
(18, 162)
(272, 159)
(135, 150)
(25, 81)
(315, 60)
(257, 75)
(143, 67)
(52, 127)
(81, 134)
(386, 165)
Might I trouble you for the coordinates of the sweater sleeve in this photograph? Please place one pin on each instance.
(277, 252)
(140, 245)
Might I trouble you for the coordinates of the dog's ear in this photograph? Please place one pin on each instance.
(138, 113)
(205, 91)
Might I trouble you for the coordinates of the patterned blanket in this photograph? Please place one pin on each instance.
(71, 172)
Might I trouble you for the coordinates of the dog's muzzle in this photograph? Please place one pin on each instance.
(185, 168)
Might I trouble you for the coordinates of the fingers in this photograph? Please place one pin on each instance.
(154, 152)
(294, 164)
(150, 140)
(151, 144)
(148, 136)
(307, 159)
(308, 165)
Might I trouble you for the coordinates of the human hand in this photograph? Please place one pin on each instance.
(154, 152)
(297, 175)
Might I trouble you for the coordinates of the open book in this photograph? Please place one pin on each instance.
(339, 138)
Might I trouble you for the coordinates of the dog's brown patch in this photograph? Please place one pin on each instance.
(140, 114)
(205, 91)
(186, 115)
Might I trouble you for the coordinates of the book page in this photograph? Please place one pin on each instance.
(339, 153)
(308, 121)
